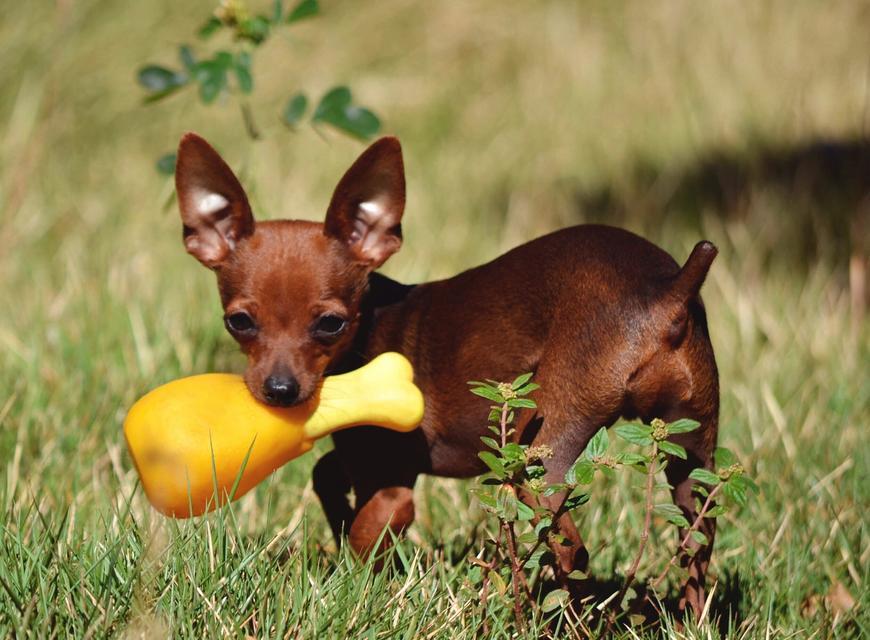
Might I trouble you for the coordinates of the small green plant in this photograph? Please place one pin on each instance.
(229, 71)
(523, 530)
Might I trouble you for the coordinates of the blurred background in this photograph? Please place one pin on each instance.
(745, 123)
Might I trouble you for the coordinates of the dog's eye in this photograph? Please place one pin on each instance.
(329, 326)
(240, 324)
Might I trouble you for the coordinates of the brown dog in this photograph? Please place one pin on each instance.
(609, 323)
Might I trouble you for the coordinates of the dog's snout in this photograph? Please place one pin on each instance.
(281, 390)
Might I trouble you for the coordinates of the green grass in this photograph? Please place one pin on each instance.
(517, 118)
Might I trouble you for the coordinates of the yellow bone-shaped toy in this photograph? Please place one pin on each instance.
(191, 436)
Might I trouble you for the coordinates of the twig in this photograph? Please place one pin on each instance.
(683, 544)
(248, 118)
(515, 574)
(510, 539)
(484, 591)
(647, 522)
(557, 514)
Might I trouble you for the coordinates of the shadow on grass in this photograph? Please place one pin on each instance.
(807, 201)
(728, 600)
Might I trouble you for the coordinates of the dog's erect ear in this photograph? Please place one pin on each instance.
(366, 209)
(214, 207)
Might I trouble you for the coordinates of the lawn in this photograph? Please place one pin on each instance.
(740, 122)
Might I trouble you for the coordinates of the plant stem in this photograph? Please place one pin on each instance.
(503, 423)
(558, 513)
(248, 118)
(484, 594)
(708, 503)
(515, 573)
(510, 538)
(647, 523)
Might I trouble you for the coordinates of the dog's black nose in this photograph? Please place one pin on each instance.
(281, 391)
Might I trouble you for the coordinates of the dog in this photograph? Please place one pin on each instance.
(609, 323)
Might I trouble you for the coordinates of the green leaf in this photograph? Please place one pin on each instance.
(631, 458)
(305, 9)
(556, 599)
(672, 514)
(736, 493)
(295, 109)
(488, 393)
(743, 482)
(210, 88)
(508, 505)
(673, 449)
(490, 442)
(522, 403)
(529, 537)
(491, 461)
(723, 457)
(157, 79)
(581, 472)
(513, 451)
(255, 30)
(212, 77)
(243, 72)
(705, 476)
(554, 488)
(209, 28)
(527, 389)
(277, 11)
(608, 472)
(538, 559)
(336, 108)
(486, 500)
(598, 445)
(715, 512)
(224, 60)
(699, 537)
(544, 523)
(166, 164)
(577, 575)
(524, 512)
(635, 433)
(683, 425)
(576, 500)
(498, 583)
(188, 60)
(535, 471)
(521, 380)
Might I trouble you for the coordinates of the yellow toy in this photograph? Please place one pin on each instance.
(190, 437)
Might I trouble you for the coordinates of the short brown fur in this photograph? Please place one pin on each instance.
(610, 324)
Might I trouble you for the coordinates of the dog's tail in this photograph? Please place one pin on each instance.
(684, 288)
(687, 283)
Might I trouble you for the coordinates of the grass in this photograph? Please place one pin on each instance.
(516, 118)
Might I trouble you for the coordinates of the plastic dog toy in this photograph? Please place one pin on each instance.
(193, 440)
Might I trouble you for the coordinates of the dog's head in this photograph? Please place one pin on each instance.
(291, 290)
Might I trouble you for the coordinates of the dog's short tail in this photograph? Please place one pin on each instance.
(684, 287)
(687, 283)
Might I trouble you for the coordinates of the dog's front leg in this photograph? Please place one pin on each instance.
(391, 507)
(332, 484)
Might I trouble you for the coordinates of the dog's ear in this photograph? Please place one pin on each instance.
(366, 208)
(214, 208)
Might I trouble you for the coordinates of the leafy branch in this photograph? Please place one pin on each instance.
(516, 469)
(229, 71)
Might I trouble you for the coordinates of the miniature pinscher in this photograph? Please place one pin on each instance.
(609, 323)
